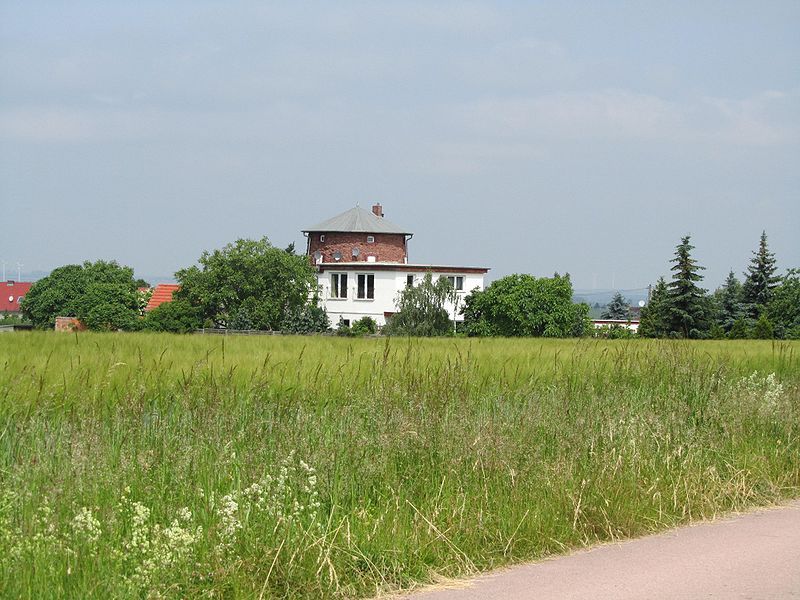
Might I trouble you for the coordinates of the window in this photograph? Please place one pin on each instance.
(338, 285)
(321, 237)
(457, 281)
(409, 281)
(366, 287)
(370, 239)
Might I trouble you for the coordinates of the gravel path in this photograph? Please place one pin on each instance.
(754, 556)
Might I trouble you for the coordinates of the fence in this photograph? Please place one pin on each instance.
(220, 331)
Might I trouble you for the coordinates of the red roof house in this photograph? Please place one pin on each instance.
(11, 295)
(161, 293)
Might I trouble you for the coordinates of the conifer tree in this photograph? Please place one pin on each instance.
(654, 321)
(618, 308)
(760, 279)
(729, 302)
(688, 303)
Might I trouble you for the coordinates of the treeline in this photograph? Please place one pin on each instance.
(251, 284)
(764, 305)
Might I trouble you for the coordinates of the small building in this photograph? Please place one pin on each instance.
(362, 264)
(69, 324)
(632, 324)
(161, 293)
(11, 295)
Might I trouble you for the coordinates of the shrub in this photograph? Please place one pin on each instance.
(306, 319)
(364, 326)
(763, 329)
(177, 316)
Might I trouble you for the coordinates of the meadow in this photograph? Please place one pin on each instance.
(142, 465)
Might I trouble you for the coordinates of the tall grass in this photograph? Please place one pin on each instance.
(138, 465)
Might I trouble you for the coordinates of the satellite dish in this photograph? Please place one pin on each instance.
(317, 257)
(356, 251)
(641, 303)
(337, 255)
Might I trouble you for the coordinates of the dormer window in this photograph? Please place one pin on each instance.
(370, 239)
(321, 237)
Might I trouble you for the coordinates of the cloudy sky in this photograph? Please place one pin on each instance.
(585, 137)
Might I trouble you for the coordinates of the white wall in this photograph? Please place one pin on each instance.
(388, 283)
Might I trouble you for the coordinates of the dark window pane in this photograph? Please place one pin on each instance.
(361, 285)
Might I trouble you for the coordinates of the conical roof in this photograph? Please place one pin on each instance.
(357, 220)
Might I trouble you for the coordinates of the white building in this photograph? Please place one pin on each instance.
(362, 266)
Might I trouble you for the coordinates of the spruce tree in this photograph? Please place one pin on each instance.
(688, 303)
(654, 321)
(760, 279)
(618, 308)
(729, 302)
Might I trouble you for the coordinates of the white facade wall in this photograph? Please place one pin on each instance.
(388, 284)
(633, 325)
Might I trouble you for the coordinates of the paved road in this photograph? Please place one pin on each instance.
(753, 556)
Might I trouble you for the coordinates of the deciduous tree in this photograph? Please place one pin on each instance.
(101, 294)
(421, 309)
(248, 282)
(523, 305)
(784, 307)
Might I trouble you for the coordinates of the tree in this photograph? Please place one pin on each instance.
(177, 316)
(688, 304)
(421, 309)
(618, 308)
(523, 305)
(106, 306)
(310, 318)
(654, 322)
(763, 329)
(729, 302)
(101, 294)
(760, 279)
(248, 284)
(738, 330)
(784, 307)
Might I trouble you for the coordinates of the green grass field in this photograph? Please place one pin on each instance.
(135, 465)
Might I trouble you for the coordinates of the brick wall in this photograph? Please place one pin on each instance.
(69, 324)
(387, 247)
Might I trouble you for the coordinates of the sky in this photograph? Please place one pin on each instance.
(528, 137)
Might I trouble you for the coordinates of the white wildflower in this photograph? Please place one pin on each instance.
(86, 528)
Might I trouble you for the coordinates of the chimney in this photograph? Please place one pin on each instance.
(377, 210)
